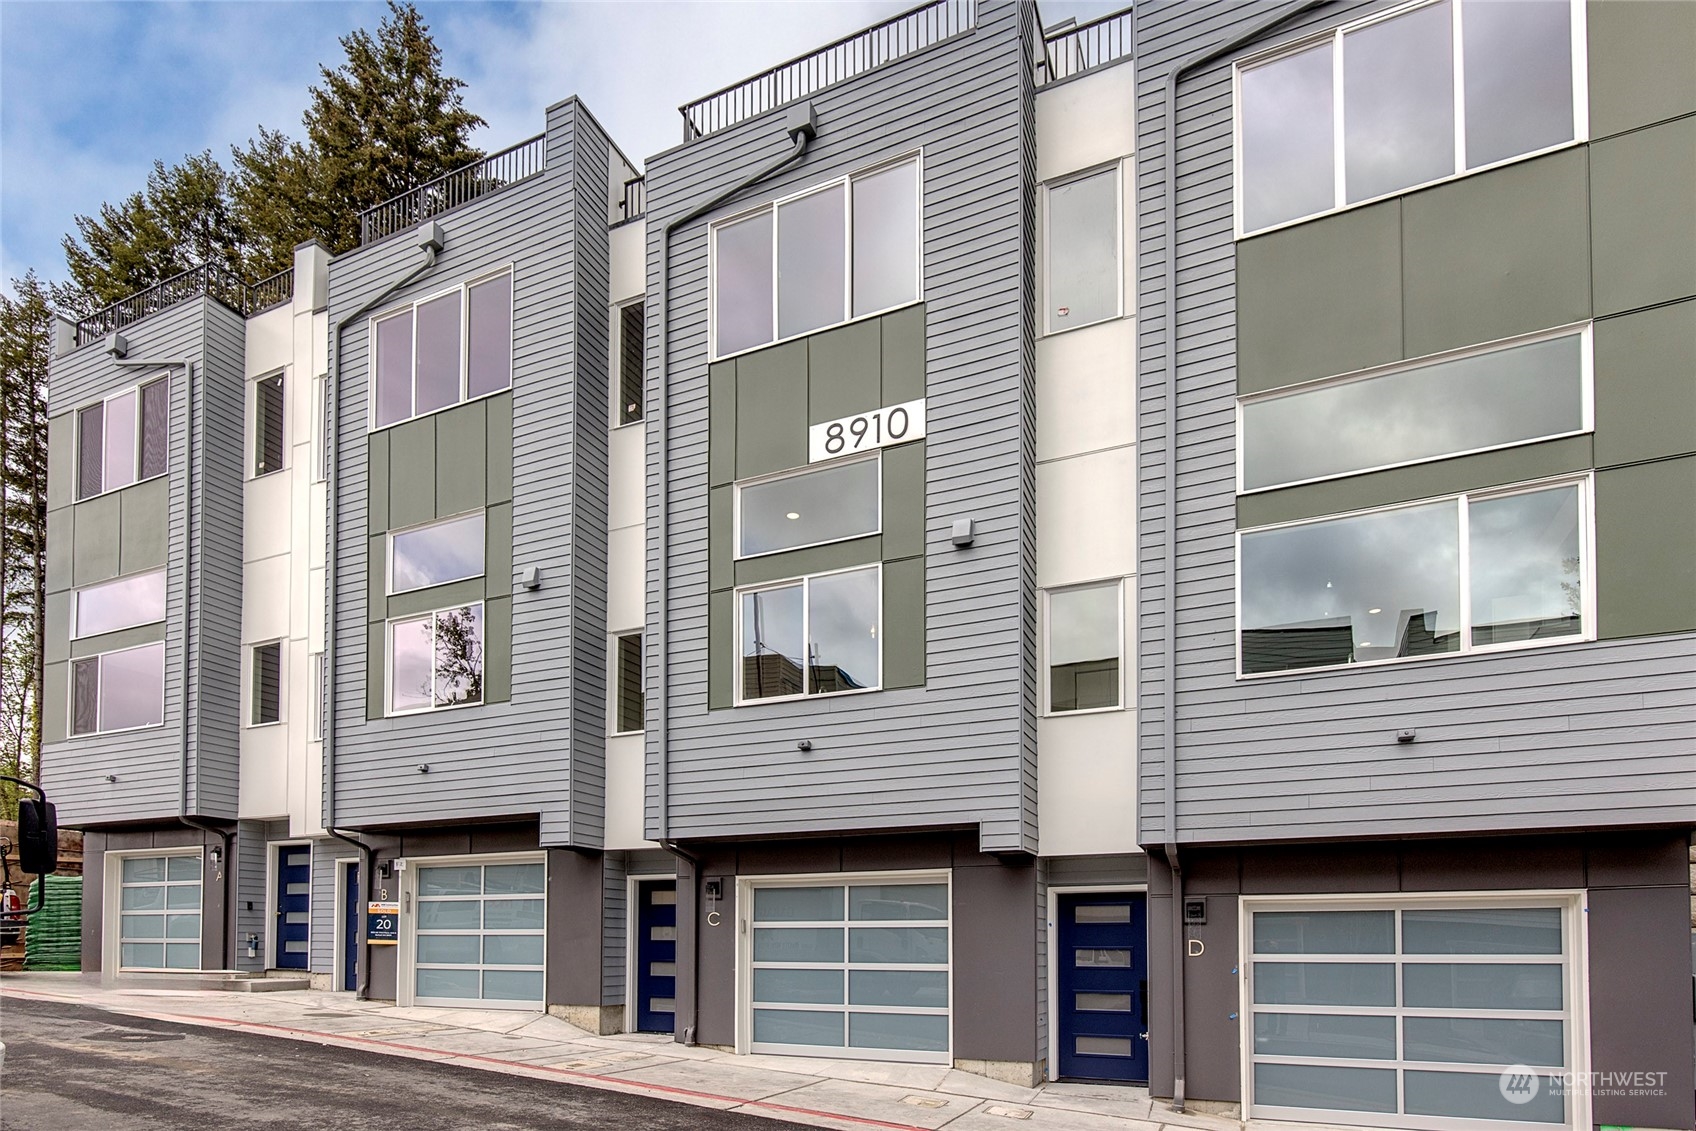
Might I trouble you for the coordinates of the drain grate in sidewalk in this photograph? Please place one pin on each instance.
(1009, 1112)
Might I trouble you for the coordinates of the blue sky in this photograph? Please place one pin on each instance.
(92, 92)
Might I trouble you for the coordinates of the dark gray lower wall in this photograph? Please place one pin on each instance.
(1638, 924)
(217, 909)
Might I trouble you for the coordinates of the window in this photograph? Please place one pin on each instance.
(124, 603)
(627, 683)
(443, 350)
(267, 674)
(122, 440)
(806, 508)
(1412, 1010)
(436, 660)
(833, 620)
(1084, 278)
(1513, 394)
(1507, 569)
(436, 554)
(631, 341)
(1085, 643)
(1443, 88)
(122, 690)
(837, 251)
(268, 425)
(159, 912)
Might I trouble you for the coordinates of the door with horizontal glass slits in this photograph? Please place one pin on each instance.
(480, 934)
(857, 970)
(1420, 1016)
(1102, 1014)
(159, 913)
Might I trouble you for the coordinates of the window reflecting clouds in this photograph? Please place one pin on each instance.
(742, 283)
(123, 603)
(1526, 580)
(436, 660)
(1288, 156)
(1398, 97)
(811, 258)
(1083, 647)
(1518, 77)
(842, 621)
(771, 642)
(822, 505)
(436, 554)
(1083, 250)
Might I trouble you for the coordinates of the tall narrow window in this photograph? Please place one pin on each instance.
(627, 683)
(630, 346)
(155, 427)
(1084, 277)
(394, 368)
(268, 426)
(91, 442)
(886, 238)
(1085, 640)
(120, 454)
(810, 258)
(489, 357)
(436, 344)
(267, 683)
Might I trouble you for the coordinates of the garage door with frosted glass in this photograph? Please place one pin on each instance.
(1420, 1016)
(159, 913)
(851, 970)
(480, 935)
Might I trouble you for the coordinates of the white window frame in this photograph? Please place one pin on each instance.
(745, 886)
(795, 473)
(464, 290)
(100, 660)
(111, 942)
(389, 566)
(805, 582)
(845, 181)
(76, 603)
(76, 427)
(1118, 168)
(1586, 484)
(389, 711)
(616, 368)
(1339, 195)
(612, 682)
(253, 426)
(1587, 385)
(1574, 956)
(407, 959)
(1125, 660)
(249, 704)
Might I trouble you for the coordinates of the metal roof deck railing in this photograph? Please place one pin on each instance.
(1074, 50)
(452, 189)
(212, 282)
(895, 38)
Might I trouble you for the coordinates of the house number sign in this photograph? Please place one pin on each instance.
(880, 428)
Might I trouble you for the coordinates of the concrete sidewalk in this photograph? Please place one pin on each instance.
(847, 1095)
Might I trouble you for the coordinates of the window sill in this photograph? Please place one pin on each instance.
(1119, 709)
(419, 712)
(804, 698)
(626, 733)
(264, 726)
(119, 730)
(629, 424)
(258, 475)
(1120, 317)
(1588, 637)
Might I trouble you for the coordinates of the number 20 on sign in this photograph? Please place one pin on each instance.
(863, 432)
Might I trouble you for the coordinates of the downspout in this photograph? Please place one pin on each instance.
(1169, 389)
(430, 241)
(801, 125)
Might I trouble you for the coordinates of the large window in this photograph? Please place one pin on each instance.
(268, 412)
(834, 252)
(124, 603)
(123, 439)
(1413, 1015)
(1425, 93)
(1470, 402)
(1507, 569)
(159, 912)
(443, 350)
(806, 508)
(1082, 266)
(436, 554)
(436, 660)
(816, 636)
(1085, 645)
(627, 683)
(122, 690)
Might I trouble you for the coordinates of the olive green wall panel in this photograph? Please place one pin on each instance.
(721, 649)
(844, 372)
(1646, 549)
(123, 638)
(56, 640)
(55, 703)
(903, 355)
(144, 526)
(1643, 209)
(61, 460)
(771, 410)
(497, 650)
(449, 596)
(377, 494)
(721, 423)
(1321, 298)
(61, 532)
(500, 448)
(1496, 254)
(721, 537)
(376, 660)
(376, 576)
(813, 559)
(1419, 481)
(412, 473)
(497, 551)
(904, 500)
(461, 459)
(94, 545)
(1646, 384)
(904, 623)
(1640, 62)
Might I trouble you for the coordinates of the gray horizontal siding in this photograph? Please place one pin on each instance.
(960, 750)
(1552, 738)
(513, 758)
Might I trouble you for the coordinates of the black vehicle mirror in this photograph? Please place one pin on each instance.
(38, 837)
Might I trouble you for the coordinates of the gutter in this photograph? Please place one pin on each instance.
(1169, 499)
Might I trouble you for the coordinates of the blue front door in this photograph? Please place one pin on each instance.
(1102, 1011)
(294, 906)
(656, 957)
(350, 925)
